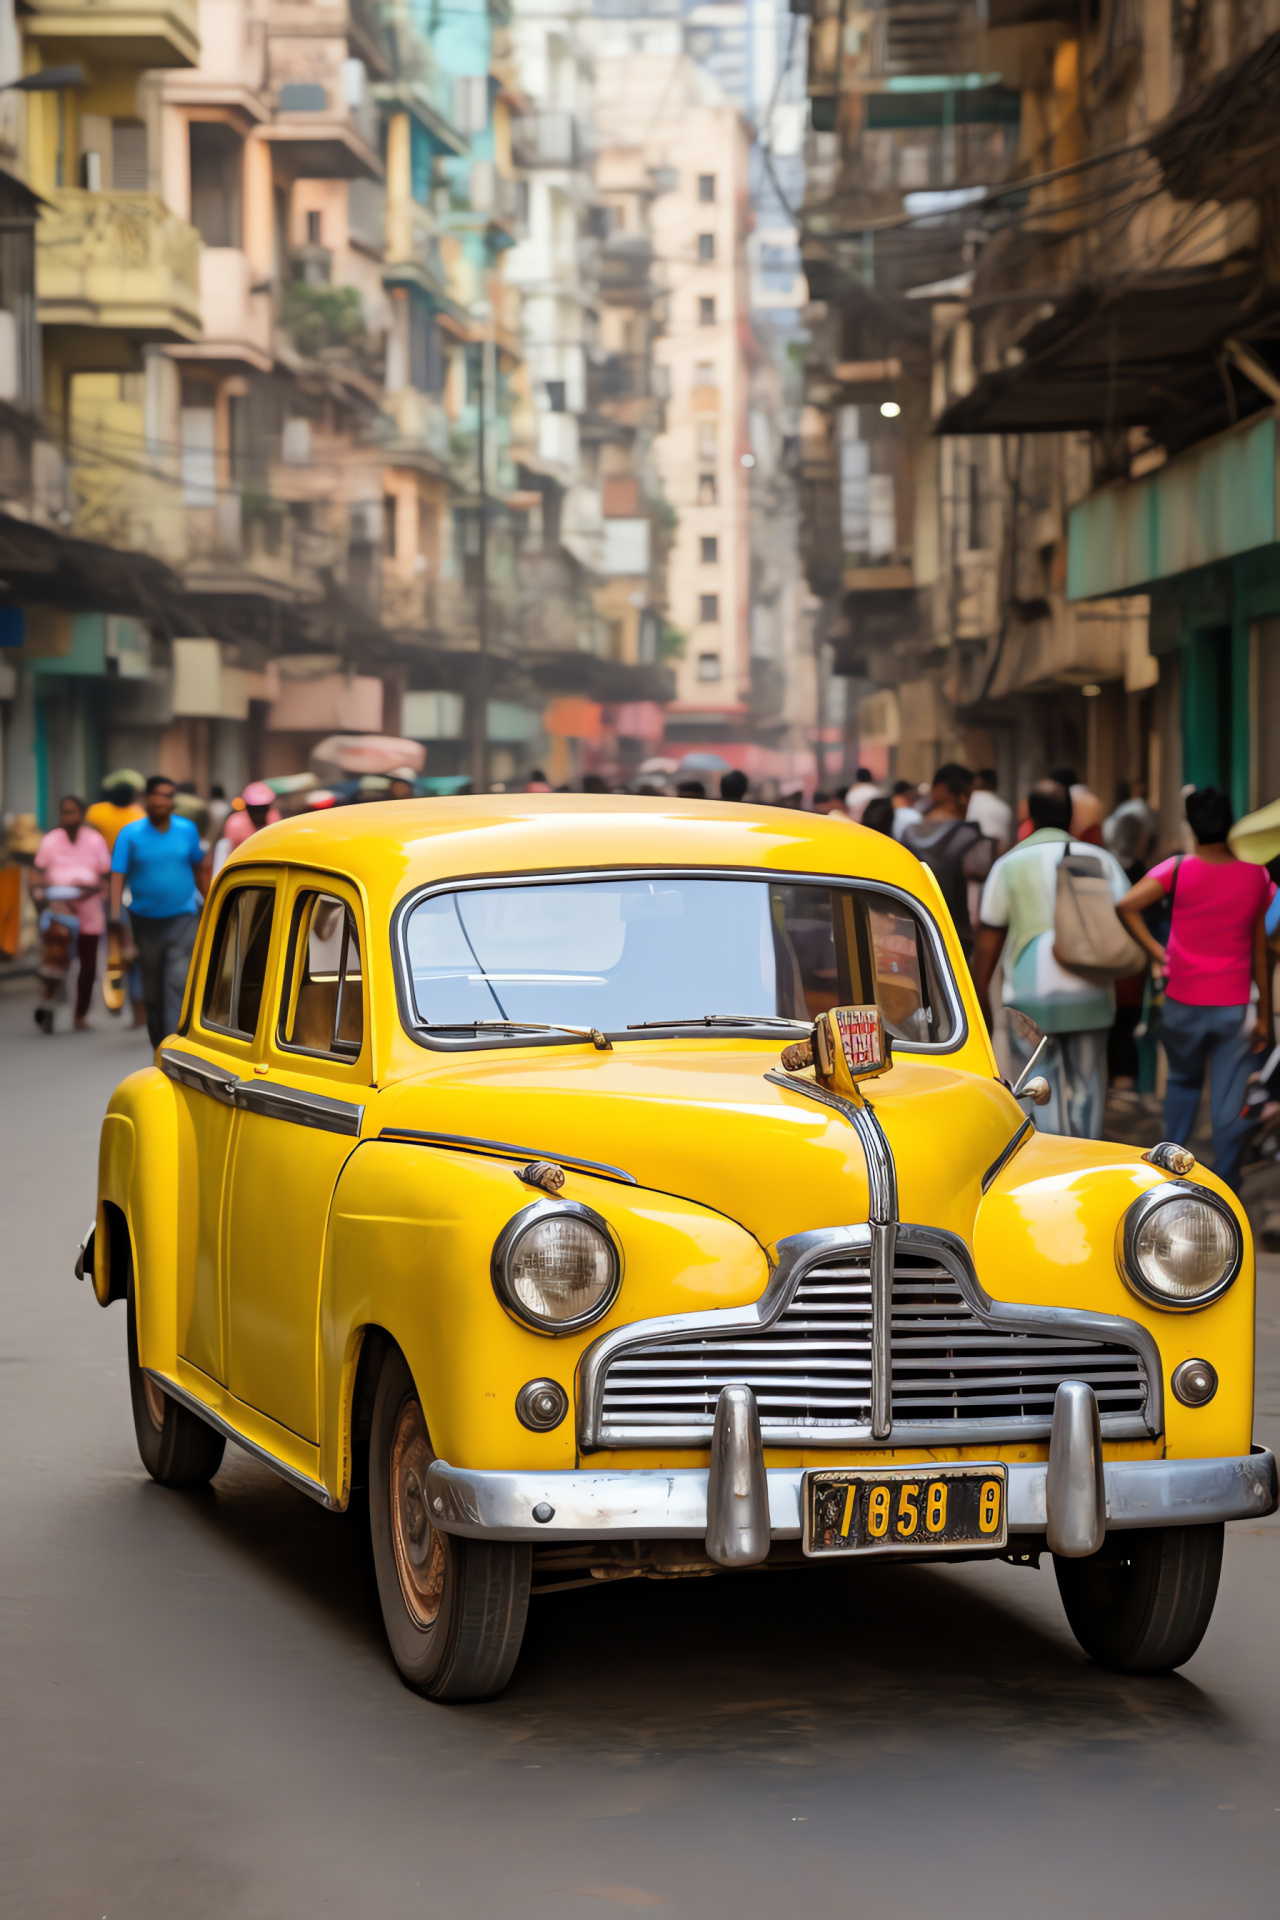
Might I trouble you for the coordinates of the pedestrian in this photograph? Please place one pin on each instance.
(403, 783)
(1016, 919)
(1130, 830)
(118, 807)
(250, 812)
(864, 788)
(158, 859)
(878, 815)
(1217, 948)
(73, 863)
(989, 812)
(952, 847)
(905, 811)
(690, 790)
(733, 785)
(1086, 808)
(538, 782)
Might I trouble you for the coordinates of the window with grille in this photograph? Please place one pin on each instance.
(129, 156)
(708, 606)
(710, 549)
(706, 312)
(706, 187)
(706, 246)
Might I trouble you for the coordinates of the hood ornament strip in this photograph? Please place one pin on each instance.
(882, 1210)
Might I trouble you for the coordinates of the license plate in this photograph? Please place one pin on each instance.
(904, 1509)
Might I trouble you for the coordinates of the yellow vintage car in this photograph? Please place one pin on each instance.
(606, 1188)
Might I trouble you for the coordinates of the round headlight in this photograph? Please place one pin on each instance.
(1182, 1247)
(555, 1267)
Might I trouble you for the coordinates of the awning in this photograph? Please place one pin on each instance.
(1144, 350)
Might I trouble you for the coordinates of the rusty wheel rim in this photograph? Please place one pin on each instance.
(154, 1397)
(419, 1549)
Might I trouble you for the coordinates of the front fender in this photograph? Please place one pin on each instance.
(1046, 1234)
(411, 1237)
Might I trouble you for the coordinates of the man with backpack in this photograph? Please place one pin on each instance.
(1040, 901)
(954, 849)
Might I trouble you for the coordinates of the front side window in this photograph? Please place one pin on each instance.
(619, 954)
(238, 968)
(323, 1005)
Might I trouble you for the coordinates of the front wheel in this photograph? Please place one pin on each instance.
(454, 1609)
(1141, 1604)
(178, 1449)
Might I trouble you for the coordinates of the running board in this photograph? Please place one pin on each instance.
(302, 1482)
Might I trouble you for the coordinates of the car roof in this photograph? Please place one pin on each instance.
(394, 846)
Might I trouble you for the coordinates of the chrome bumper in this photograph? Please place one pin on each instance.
(644, 1504)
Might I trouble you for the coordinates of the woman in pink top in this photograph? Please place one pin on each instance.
(73, 863)
(1217, 948)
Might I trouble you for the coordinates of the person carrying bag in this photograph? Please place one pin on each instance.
(1217, 948)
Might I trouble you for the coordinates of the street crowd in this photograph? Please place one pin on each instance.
(1139, 970)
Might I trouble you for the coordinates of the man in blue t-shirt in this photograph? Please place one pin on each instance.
(158, 858)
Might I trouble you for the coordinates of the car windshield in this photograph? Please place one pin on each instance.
(623, 954)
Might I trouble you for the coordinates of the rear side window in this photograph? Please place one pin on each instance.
(323, 1010)
(238, 970)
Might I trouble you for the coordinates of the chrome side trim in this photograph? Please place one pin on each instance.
(794, 1257)
(202, 1076)
(882, 1175)
(503, 1150)
(301, 1109)
(1007, 1152)
(256, 1096)
(301, 1481)
(671, 1503)
(545, 877)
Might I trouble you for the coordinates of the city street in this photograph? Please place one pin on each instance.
(201, 1717)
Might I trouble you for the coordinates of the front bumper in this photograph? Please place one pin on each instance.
(645, 1504)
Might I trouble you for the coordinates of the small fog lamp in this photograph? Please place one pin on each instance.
(556, 1267)
(1181, 1247)
(1194, 1383)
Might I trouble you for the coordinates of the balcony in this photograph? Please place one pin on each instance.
(325, 126)
(118, 260)
(164, 33)
(237, 321)
(549, 139)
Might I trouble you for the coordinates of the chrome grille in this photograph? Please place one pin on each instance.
(811, 1369)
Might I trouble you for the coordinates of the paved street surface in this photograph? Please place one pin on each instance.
(200, 1717)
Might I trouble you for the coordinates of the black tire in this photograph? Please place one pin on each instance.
(1142, 1603)
(454, 1609)
(177, 1448)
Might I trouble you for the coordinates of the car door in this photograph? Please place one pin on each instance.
(207, 1063)
(300, 1117)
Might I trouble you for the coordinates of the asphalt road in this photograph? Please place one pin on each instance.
(198, 1715)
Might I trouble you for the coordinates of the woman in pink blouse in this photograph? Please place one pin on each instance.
(1217, 949)
(73, 864)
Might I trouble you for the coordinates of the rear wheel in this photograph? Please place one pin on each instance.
(454, 1609)
(177, 1448)
(1141, 1604)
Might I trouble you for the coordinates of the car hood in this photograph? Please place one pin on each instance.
(701, 1120)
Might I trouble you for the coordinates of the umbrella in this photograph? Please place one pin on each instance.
(659, 765)
(1256, 838)
(703, 763)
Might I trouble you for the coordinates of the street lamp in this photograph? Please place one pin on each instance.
(482, 313)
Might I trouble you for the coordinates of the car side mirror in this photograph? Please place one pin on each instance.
(1037, 1039)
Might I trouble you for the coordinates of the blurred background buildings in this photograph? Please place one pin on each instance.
(583, 385)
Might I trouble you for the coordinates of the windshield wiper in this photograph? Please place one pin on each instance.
(722, 1020)
(600, 1041)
